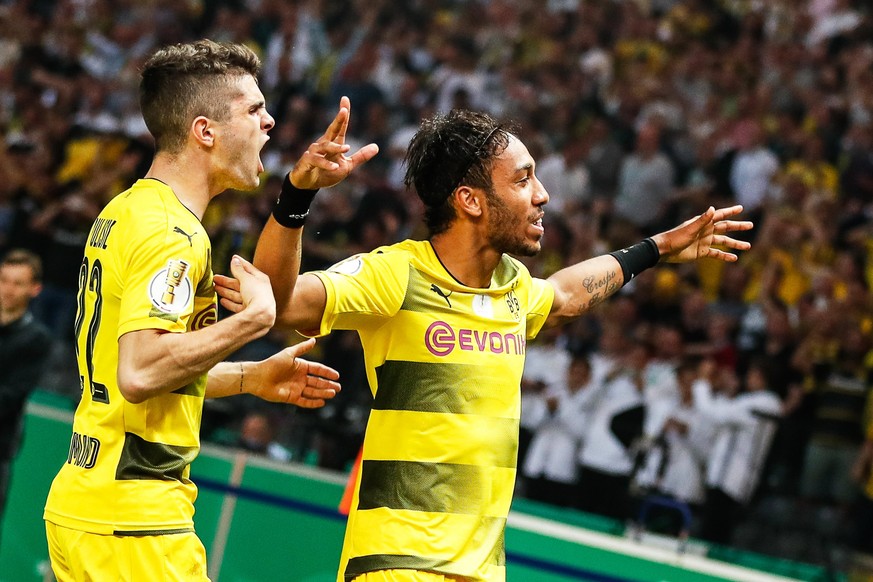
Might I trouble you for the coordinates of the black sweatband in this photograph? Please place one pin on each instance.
(637, 258)
(292, 206)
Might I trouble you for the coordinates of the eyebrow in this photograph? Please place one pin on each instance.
(526, 168)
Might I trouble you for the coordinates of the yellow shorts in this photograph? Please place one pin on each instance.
(401, 575)
(78, 555)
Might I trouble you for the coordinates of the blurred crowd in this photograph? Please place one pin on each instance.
(723, 387)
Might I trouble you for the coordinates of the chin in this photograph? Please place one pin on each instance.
(527, 250)
(249, 183)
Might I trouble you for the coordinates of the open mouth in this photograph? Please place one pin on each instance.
(260, 162)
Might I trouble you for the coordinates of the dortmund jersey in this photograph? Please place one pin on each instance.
(146, 266)
(444, 362)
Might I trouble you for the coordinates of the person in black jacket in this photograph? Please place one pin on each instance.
(23, 346)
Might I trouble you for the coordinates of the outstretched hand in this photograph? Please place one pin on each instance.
(285, 377)
(325, 163)
(698, 237)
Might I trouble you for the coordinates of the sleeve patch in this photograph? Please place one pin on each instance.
(170, 289)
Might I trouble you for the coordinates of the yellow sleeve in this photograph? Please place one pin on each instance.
(160, 276)
(363, 290)
(540, 298)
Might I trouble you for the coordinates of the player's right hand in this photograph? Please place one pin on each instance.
(325, 162)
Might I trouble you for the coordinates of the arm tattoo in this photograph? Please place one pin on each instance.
(599, 289)
(592, 284)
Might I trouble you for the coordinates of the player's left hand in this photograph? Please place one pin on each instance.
(325, 162)
(698, 237)
(285, 377)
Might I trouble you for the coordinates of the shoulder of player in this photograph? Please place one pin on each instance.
(150, 207)
(402, 253)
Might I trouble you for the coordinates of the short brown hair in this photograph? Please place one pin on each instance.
(180, 82)
(26, 258)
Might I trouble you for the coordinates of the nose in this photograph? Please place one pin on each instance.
(268, 123)
(541, 196)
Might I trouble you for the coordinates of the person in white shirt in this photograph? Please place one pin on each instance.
(606, 457)
(754, 166)
(672, 462)
(550, 467)
(745, 424)
(674, 466)
(645, 182)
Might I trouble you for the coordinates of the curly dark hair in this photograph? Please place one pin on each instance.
(449, 151)
(180, 82)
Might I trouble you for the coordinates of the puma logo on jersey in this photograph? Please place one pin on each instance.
(442, 294)
(190, 237)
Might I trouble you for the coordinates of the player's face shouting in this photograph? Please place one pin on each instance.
(244, 134)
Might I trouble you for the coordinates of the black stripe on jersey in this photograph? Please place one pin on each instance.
(421, 387)
(142, 459)
(152, 532)
(430, 387)
(431, 487)
(375, 562)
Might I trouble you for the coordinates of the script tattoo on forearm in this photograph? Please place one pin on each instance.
(599, 289)
(593, 284)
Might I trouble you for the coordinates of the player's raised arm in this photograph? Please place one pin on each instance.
(324, 164)
(584, 285)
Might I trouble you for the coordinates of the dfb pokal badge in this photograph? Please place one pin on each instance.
(170, 290)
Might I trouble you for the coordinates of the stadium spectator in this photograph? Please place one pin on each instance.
(550, 465)
(23, 341)
(745, 422)
(615, 425)
(257, 434)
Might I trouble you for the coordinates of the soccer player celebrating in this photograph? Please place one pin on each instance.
(149, 347)
(444, 324)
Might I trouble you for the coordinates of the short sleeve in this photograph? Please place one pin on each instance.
(540, 299)
(363, 290)
(158, 278)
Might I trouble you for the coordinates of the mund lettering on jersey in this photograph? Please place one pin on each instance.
(100, 232)
(441, 339)
(83, 451)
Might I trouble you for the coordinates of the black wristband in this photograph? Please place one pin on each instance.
(637, 258)
(292, 206)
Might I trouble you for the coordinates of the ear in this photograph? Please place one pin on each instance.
(203, 131)
(469, 200)
(35, 290)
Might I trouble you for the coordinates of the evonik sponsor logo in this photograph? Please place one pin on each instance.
(441, 339)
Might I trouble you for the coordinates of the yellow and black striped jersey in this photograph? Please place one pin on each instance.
(444, 362)
(146, 266)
